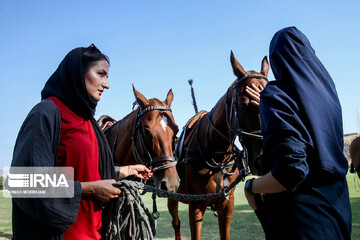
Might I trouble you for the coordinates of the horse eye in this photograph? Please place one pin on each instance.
(175, 141)
(147, 133)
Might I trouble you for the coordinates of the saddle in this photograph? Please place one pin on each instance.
(186, 134)
(195, 119)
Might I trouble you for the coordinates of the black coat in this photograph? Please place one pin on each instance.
(36, 145)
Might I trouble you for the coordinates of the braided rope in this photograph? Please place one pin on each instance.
(190, 81)
(163, 193)
(132, 215)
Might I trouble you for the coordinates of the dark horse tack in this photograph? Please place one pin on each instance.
(146, 136)
(205, 162)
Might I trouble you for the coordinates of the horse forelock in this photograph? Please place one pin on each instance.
(168, 114)
(156, 102)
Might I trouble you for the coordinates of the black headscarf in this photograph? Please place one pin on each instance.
(310, 106)
(67, 83)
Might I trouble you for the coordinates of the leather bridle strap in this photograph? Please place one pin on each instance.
(238, 82)
(238, 130)
(144, 151)
(162, 159)
(148, 109)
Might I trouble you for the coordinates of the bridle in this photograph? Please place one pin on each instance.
(238, 131)
(234, 106)
(235, 152)
(143, 156)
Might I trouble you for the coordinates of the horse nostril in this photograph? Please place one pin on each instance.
(163, 185)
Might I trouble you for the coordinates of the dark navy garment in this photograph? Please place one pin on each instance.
(317, 213)
(301, 122)
(310, 106)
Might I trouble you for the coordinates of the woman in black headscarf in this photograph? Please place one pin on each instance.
(61, 131)
(303, 193)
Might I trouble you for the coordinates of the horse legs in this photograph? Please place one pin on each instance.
(196, 213)
(173, 210)
(225, 212)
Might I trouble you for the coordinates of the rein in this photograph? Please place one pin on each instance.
(144, 154)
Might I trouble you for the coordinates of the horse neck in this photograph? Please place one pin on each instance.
(124, 155)
(218, 118)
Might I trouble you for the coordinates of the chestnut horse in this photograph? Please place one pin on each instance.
(354, 151)
(206, 151)
(146, 136)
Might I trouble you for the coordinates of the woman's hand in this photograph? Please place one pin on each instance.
(251, 200)
(138, 170)
(107, 125)
(264, 184)
(254, 92)
(102, 189)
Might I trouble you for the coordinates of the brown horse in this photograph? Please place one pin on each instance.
(146, 136)
(354, 151)
(206, 151)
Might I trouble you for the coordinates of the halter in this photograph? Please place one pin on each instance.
(234, 112)
(208, 156)
(144, 153)
(234, 103)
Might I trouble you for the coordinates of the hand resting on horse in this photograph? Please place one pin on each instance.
(137, 170)
(107, 125)
(254, 92)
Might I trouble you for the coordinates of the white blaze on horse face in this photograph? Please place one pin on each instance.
(164, 122)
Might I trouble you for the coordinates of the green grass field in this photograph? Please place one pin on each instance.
(244, 224)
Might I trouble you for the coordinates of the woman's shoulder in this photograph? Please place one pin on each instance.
(275, 96)
(45, 106)
(44, 109)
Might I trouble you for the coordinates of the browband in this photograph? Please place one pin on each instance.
(249, 76)
(161, 108)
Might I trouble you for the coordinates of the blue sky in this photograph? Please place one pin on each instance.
(158, 45)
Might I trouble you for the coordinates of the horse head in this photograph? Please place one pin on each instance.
(154, 139)
(244, 116)
(354, 150)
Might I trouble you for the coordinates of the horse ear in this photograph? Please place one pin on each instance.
(265, 66)
(236, 66)
(169, 98)
(140, 99)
